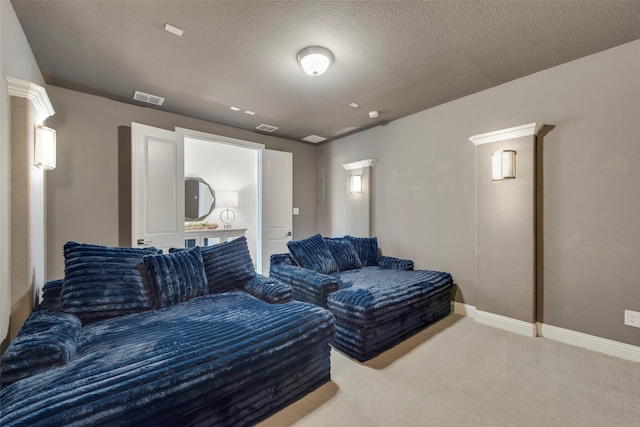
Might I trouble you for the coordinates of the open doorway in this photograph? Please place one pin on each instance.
(227, 168)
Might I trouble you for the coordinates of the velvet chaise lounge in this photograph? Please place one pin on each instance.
(377, 300)
(132, 337)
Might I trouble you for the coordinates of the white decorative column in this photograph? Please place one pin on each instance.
(359, 200)
(30, 106)
(506, 229)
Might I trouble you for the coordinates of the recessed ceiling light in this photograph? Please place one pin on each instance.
(251, 113)
(354, 105)
(374, 114)
(173, 30)
(235, 108)
(314, 138)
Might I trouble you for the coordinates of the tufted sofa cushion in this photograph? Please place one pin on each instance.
(102, 282)
(344, 253)
(176, 277)
(313, 253)
(367, 249)
(227, 265)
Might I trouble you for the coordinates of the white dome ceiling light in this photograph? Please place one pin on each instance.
(315, 60)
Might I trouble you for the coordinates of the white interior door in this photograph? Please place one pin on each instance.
(157, 180)
(277, 204)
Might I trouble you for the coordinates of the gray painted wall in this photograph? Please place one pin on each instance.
(82, 193)
(425, 179)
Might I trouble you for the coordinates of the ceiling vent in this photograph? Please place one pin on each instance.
(314, 138)
(267, 128)
(148, 98)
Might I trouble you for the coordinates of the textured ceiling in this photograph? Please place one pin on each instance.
(398, 57)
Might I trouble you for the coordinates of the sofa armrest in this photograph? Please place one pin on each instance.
(269, 290)
(391, 263)
(46, 340)
(308, 285)
(276, 259)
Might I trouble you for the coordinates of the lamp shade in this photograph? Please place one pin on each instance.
(315, 60)
(227, 199)
(44, 155)
(503, 165)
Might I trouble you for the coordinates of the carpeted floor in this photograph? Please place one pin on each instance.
(461, 373)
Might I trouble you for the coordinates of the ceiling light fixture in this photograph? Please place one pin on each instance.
(235, 109)
(315, 60)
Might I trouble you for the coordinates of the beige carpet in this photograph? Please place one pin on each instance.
(461, 373)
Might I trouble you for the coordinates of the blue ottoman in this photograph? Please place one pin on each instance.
(376, 308)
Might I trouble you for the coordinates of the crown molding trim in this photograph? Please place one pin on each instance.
(31, 91)
(359, 164)
(530, 129)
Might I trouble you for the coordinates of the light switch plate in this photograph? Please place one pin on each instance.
(296, 211)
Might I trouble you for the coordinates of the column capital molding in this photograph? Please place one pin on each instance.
(530, 129)
(31, 91)
(359, 164)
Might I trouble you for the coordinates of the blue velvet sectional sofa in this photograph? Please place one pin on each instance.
(377, 300)
(134, 337)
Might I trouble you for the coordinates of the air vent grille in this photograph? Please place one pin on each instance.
(314, 138)
(267, 128)
(148, 98)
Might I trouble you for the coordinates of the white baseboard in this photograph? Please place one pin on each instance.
(567, 336)
(591, 342)
(464, 309)
(506, 323)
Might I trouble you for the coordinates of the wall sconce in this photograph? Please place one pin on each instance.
(503, 165)
(227, 199)
(356, 183)
(44, 155)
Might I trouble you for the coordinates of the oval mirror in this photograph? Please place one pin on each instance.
(199, 199)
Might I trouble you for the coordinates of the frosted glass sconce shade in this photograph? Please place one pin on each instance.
(356, 183)
(44, 155)
(227, 199)
(503, 165)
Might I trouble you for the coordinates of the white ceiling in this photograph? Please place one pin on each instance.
(398, 57)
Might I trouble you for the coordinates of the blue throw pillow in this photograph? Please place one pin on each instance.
(344, 253)
(367, 249)
(176, 277)
(47, 339)
(51, 295)
(313, 253)
(228, 265)
(102, 281)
